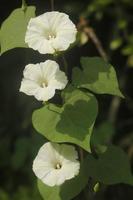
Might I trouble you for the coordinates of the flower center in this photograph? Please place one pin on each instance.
(58, 166)
(44, 83)
(52, 36)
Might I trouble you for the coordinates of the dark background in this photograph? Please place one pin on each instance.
(112, 22)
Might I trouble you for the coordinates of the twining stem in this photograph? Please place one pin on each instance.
(92, 35)
(52, 5)
(89, 31)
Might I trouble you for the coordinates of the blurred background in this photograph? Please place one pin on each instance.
(110, 24)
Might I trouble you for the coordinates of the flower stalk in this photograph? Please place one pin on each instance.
(24, 5)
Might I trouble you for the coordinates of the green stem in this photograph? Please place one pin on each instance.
(24, 5)
(81, 154)
(45, 103)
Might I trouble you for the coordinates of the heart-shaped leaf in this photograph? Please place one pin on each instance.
(13, 29)
(111, 167)
(97, 76)
(73, 122)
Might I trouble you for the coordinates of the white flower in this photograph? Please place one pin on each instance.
(56, 163)
(50, 32)
(42, 79)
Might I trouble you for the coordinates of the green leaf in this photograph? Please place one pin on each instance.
(73, 122)
(69, 189)
(101, 137)
(97, 76)
(13, 29)
(111, 167)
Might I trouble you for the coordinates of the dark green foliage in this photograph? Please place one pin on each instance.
(112, 22)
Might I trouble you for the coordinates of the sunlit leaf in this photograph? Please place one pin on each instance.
(13, 29)
(97, 76)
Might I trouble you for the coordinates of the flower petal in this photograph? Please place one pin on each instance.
(41, 168)
(50, 32)
(35, 35)
(69, 152)
(44, 94)
(46, 153)
(70, 170)
(40, 43)
(29, 87)
(49, 69)
(32, 72)
(42, 79)
(51, 154)
(51, 178)
(59, 81)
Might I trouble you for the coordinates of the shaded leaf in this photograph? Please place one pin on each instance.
(101, 137)
(73, 122)
(111, 167)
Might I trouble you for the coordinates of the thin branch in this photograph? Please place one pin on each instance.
(113, 110)
(116, 101)
(89, 31)
(92, 35)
